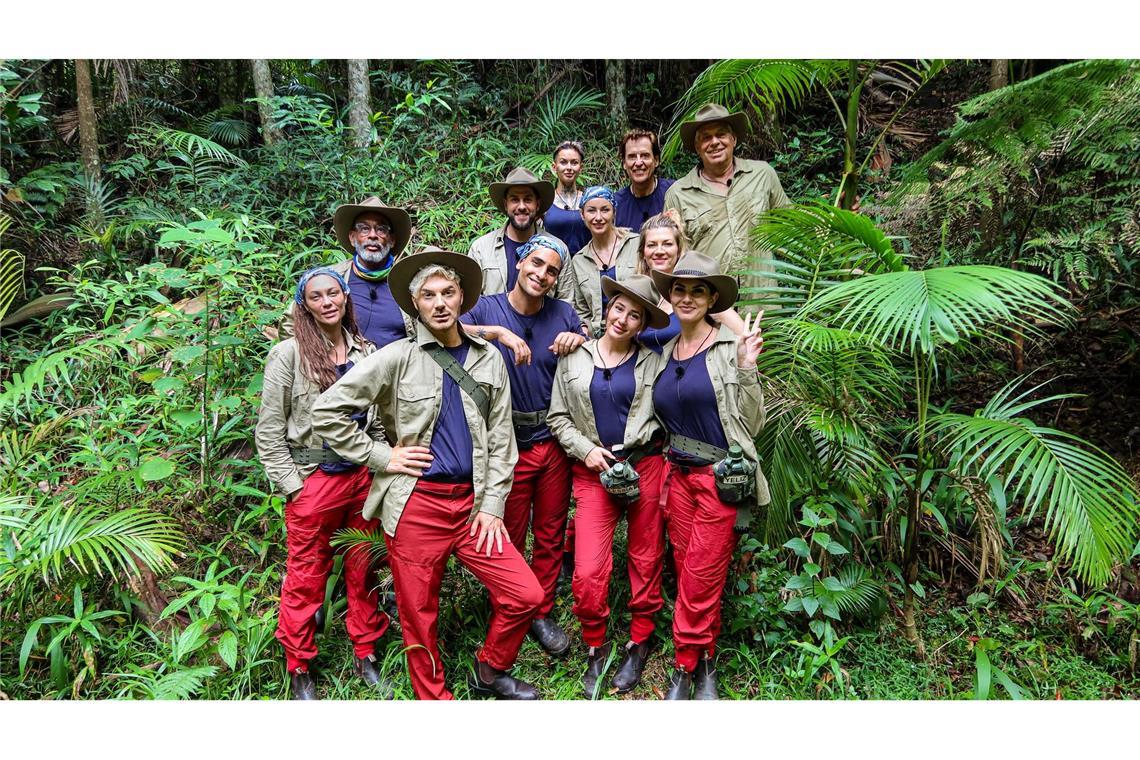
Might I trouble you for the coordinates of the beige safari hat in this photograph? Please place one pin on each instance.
(694, 265)
(708, 114)
(405, 269)
(345, 216)
(640, 288)
(520, 177)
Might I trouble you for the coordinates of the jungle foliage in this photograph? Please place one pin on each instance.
(924, 491)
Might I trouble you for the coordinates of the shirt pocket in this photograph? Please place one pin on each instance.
(698, 224)
(415, 405)
(302, 397)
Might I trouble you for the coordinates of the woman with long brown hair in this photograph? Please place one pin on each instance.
(601, 411)
(322, 491)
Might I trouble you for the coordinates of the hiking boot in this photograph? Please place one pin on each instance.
(486, 681)
(629, 671)
(704, 680)
(302, 685)
(595, 665)
(550, 636)
(365, 668)
(680, 684)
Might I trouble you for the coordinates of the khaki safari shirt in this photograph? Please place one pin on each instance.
(284, 420)
(739, 398)
(491, 253)
(586, 279)
(342, 268)
(406, 385)
(571, 417)
(721, 225)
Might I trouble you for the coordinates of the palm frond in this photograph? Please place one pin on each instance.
(912, 311)
(815, 245)
(856, 591)
(1092, 512)
(61, 537)
(193, 145)
(1073, 108)
(182, 683)
(371, 541)
(762, 85)
(558, 105)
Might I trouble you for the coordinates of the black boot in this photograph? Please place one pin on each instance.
(365, 668)
(302, 685)
(595, 664)
(489, 682)
(704, 680)
(566, 572)
(629, 671)
(680, 685)
(550, 636)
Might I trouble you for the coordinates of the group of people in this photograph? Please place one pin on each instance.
(588, 352)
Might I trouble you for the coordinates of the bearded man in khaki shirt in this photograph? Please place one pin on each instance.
(720, 199)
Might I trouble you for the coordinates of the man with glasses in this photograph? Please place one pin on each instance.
(374, 235)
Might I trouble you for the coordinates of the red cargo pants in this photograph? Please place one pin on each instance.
(325, 504)
(596, 519)
(701, 528)
(542, 481)
(433, 526)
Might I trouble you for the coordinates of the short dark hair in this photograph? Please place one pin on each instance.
(573, 145)
(637, 133)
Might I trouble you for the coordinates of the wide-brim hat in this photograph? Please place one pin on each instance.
(707, 114)
(405, 270)
(694, 265)
(640, 288)
(520, 177)
(345, 216)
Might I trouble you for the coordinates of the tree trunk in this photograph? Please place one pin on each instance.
(615, 93)
(999, 73)
(88, 132)
(359, 103)
(263, 87)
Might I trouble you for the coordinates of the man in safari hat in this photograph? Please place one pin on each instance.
(374, 235)
(523, 198)
(719, 200)
(443, 469)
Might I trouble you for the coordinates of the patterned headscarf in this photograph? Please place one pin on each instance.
(599, 191)
(543, 241)
(299, 296)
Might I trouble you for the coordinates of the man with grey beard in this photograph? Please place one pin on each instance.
(375, 235)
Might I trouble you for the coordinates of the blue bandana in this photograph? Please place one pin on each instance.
(598, 191)
(543, 241)
(299, 296)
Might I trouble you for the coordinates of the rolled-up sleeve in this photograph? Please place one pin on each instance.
(333, 410)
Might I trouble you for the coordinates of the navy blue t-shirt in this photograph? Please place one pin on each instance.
(359, 417)
(632, 211)
(512, 254)
(655, 339)
(451, 444)
(531, 384)
(686, 403)
(611, 399)
(567, 226)
(610, 272)
(377, 315)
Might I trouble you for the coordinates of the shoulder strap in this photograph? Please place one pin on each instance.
(462, 378)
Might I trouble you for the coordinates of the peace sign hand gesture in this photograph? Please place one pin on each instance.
(750, 343)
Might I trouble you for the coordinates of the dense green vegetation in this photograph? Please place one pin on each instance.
(951, 367)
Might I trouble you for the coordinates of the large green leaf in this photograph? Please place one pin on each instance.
(1092, 512)
(764, 85)
(914, 311)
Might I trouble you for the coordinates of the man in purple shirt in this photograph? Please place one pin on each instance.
(374, 235)
(640, 154)
(540, 494)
